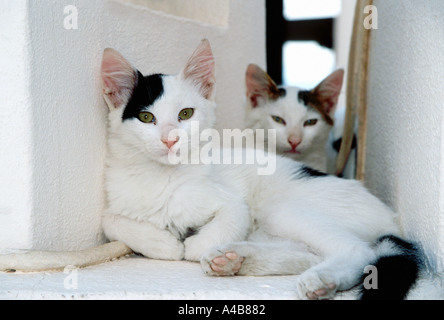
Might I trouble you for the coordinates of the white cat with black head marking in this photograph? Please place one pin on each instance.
(302, 119)
(234, 221)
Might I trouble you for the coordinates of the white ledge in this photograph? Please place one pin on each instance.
(136, 277)
(140, 278)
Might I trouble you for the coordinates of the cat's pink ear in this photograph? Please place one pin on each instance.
(260, 86)
(327, 92)
(199, 69)
(119, 78)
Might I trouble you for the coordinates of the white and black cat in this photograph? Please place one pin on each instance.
(234, 221)
(303, 119)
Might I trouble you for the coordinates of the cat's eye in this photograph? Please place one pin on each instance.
(186, 113)
(147, 117)
(279, 120)
(310, 122)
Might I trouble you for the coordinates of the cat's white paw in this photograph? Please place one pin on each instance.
(168, 249)
(220, 263)
(194, 248)
(174, 251)
(312, 285)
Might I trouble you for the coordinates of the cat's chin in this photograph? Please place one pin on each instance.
(169, 159)
(165, 160)
(292, 152)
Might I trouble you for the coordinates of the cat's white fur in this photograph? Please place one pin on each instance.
(286, 223)
(262, 106)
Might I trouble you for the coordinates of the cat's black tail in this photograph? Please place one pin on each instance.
(396, 270)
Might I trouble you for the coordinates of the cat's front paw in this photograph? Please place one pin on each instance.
(168, 248)
(220, 263)
(194, 248)
(174, 251)
(312, 285)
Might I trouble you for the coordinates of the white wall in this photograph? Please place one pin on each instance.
(15, 135)
(405, 143)
(342, 35)
(53, 118)
(210, 12)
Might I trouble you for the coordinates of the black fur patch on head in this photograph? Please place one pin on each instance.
(312, 99)
(282, 92)
(146, 92)
(307, 172)
(304, 96)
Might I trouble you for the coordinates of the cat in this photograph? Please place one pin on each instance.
(227, 217)
(303, 119)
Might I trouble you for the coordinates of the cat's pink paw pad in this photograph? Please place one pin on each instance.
(312, 286)
(324, 293)
(225, 264)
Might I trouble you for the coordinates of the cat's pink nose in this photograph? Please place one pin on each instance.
(294, 142)
(170, 143)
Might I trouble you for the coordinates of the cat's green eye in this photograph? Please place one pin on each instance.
(310, 122)
(279, 120)
(146, 117)
(185, 114)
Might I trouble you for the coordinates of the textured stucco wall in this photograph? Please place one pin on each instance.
(15, 135)
(67, 125)
(210, 12)
(405, 144)
(53, 118)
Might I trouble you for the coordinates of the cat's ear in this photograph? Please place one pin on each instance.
(199, 69)
(327, 92)
(260, 86)
(119, 78)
